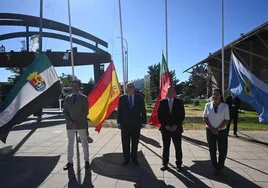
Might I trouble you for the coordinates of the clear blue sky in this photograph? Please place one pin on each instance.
(194, 29)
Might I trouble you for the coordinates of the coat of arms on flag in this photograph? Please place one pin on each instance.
(37, 81)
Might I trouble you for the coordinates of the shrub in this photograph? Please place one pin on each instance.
(196, 103)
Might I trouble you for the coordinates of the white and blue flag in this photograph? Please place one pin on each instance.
(249, 88)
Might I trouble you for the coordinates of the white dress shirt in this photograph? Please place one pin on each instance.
(214, 118)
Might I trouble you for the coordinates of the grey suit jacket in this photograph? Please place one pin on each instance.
(131, 119)
(76, 112)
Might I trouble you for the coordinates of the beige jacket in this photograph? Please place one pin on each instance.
(76, 111)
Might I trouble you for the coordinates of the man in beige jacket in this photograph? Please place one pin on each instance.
(75, 112)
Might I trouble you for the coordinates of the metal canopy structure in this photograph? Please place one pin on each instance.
(250, 48)
(260, 33)
(23, 59)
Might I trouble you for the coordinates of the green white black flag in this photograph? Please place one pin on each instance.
(39, 86)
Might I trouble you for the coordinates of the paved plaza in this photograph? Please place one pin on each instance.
(38, 152)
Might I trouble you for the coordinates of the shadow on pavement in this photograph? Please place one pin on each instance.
(109, 165)
(228, 176)
(248, 138)
(150, 141)
(73, 180)
(203, 145)
(35, 125)
(25, 171)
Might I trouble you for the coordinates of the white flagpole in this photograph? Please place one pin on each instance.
(40, 40)
(222, 50)
(71, 39)
(166, 31)
(122, 48)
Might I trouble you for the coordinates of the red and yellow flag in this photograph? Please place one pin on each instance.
(104, 98)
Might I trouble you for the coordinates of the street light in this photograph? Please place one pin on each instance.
(2, 48)
(126, 60)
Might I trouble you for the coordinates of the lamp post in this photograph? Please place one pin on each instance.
(126, 60)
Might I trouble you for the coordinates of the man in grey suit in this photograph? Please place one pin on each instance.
(131, 116)
(75, 112)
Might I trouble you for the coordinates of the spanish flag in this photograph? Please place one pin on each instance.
(104, 98)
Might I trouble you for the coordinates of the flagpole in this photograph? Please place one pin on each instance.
(71, 39)
(41, 28)
(166, 31)
(122, 47)
(222, 50)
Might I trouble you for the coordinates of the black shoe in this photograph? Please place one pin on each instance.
(216, 173)
(68, 166)
(164, 168)
(178, 168)
(87, 165)
(125, 163)
(136, 162)
(235, 134)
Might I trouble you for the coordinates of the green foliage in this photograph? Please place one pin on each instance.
(16, 74)
(154, 72)
(196, 103)
(147, 93)
(66, 80)
(91, 81)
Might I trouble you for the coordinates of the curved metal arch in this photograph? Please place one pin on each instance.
(32, 21)
(51, 35)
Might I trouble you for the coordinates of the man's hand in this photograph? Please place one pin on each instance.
(173, 128)
(168, 127)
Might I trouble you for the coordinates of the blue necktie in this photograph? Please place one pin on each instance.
(74, 98)
(130, 101)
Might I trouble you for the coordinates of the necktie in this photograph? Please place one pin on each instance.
(170, 104)
(130, 101)
(74, 98)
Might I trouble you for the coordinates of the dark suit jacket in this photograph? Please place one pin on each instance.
(175, 118)
(131, 119)
(234, 106)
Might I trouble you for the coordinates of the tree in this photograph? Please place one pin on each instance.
(66, 80)
(154, 71)
(147, 92)
(16, 74)
(175, 81)
(199, 79)
(91, 81)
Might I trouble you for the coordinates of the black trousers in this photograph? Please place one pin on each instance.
(176, 138)
(234, 118)
(130, 138)
(219, 141)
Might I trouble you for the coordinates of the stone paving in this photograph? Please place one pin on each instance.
(38, 152)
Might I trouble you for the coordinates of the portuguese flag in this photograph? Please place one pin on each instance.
(104, 98)
(38, 86)
(165, 81)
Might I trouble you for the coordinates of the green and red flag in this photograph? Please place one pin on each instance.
(165, 81)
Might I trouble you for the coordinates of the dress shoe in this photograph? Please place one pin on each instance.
(125, 163)
(178, 168)
(136, 162)
(68, 166)
(164, 168)
(87, 165)
(235, 134)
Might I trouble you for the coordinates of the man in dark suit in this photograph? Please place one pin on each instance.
(171, 114)
(234, 105)
(131, 116)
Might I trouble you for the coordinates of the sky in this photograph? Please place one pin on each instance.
(194, 29)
